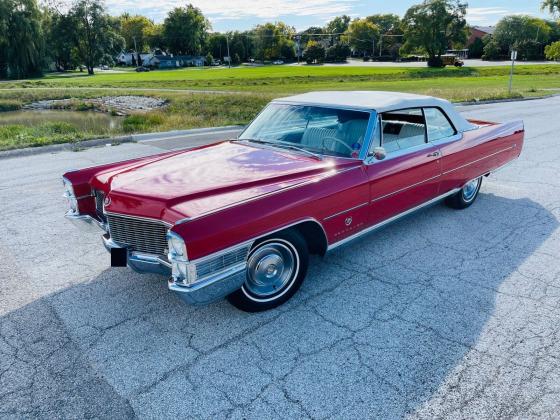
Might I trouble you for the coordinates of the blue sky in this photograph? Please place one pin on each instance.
(244, 14)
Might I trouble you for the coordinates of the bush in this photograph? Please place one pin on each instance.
(314, 53)
(552, 51)
(337, 53)
(492, 51)
(209, 59)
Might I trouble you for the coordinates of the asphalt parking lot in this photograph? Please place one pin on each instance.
(445, 314)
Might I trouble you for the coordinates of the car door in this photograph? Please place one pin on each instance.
(409, 174)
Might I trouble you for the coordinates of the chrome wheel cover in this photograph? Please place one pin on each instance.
(470, 189)
(270, 268)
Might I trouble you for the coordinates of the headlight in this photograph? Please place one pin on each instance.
(176, 246)
(69, 195)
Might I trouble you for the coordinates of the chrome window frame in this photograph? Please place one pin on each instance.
(367, 135)
(370, 160)
(455, 136)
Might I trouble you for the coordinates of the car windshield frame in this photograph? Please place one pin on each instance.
(362, 152)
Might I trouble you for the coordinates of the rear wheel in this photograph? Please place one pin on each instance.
(276, 268)
(466, 195)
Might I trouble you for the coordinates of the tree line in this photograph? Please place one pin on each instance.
(34, 38)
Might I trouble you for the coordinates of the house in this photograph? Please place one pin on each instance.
(190, 60)
(161, 61)
(128, 58)
(479, 32)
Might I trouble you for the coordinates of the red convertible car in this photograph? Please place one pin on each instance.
(312, 172)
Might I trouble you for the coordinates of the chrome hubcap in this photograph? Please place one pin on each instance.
(269, 269)
(469, 190)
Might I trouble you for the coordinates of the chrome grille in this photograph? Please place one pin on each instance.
(149, 236)
(99, 199)
(218, 263)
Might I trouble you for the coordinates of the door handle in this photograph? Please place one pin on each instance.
(433, 154)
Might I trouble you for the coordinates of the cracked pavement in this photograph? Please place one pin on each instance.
(444, 314)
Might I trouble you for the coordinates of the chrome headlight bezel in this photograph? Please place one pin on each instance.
(176, 246)
(70, 195)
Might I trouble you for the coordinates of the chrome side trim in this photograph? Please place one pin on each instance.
(479, 159)
(387, 221)
(346, 211)
(404, 189)
(311, 181)
(250, 242)
(148, 219)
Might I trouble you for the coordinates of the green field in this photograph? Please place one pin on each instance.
(241, 92)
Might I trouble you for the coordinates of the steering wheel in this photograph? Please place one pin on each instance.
(337, 141)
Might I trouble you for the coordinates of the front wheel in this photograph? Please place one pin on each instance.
(466, 195)
(276, 268)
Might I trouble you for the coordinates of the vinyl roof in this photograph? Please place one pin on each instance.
(379, 101)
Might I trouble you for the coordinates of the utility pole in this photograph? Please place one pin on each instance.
(135, 52)
(229, 56)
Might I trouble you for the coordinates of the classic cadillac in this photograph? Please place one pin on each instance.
(312, 172)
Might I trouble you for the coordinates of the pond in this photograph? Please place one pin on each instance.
(88, 121)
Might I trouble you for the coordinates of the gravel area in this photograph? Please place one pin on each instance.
(118, 104)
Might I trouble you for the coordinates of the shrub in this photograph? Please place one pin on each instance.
(337, 53)
(492, 51)
(314, 53)
(552, 51)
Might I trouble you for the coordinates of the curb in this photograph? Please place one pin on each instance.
(77, 146)
(498, 101)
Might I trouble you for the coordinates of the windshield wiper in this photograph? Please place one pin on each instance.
(284, 144)
(292, 146)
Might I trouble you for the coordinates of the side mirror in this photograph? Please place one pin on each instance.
(379, 153)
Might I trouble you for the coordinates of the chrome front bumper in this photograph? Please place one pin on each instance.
(204, 290)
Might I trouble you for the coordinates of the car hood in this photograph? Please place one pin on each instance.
(194, 182)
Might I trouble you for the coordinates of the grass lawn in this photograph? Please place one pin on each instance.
(244, 90)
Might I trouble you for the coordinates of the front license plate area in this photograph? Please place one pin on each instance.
(119, 257)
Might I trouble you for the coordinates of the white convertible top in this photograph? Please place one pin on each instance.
(379, 101)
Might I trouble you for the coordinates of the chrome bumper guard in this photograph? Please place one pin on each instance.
(85, 222)
(203, 290)
(212, 287)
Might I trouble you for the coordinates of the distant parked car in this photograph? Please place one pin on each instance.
(278, 62)
(104, 67)
(142, 69)
(311, 173)
(216, 63)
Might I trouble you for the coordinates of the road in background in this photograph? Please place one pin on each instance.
(446, 314)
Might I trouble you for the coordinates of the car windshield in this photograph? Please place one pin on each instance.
(326, 131)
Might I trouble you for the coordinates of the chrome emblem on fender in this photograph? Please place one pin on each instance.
(348, 221)
(107, 201)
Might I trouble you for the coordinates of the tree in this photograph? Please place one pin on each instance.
(185, 30)
(492, 50)
(389, 25)
(362, 36)
(209, 59)
(94, 33)
(476, 49)
(314, 53)
(307, 35)
(433, 26)
(526, 34)
(136, 31)
(552, 51)
(21, 39)
(273, 40)
(553, 6)
(338, 25)
(59, 36)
